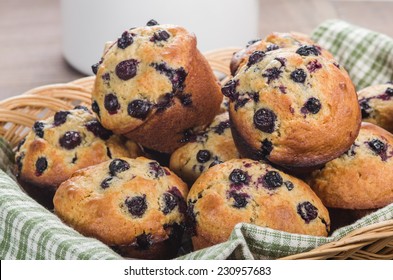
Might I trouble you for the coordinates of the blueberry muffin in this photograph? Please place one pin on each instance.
(296, 109)
(274, 41)
(360, 180)
(376, 103)
(213, 146)
(135, 206)
(60, 145)
(153, 84)
(247, 191)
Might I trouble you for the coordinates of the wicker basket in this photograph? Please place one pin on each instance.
(18, 114)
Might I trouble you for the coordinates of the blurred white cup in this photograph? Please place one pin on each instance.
(88, 24)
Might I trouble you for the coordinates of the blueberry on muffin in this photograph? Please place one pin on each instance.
(135, 206)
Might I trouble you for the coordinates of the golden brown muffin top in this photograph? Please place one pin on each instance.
(123, 201)
(273, 41)
(294, 108)
(376, 103)
(243, 190)
(211, 146)
(362, 177)
(58, 146)
(141, 73)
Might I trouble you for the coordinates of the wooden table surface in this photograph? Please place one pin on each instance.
(30, 34)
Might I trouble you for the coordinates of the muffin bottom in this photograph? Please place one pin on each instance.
(162, 249)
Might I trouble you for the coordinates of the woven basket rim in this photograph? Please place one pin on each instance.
(353, 239)
(62, 95)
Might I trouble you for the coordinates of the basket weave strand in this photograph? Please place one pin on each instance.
(18, 114)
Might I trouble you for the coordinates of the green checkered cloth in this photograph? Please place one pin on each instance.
(29, 231)
(251, 242)
(366, 55)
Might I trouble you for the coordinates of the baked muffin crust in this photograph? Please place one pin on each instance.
(295, 110)
(360, 178)
(134, 205)
(243, 190)
(152, 84)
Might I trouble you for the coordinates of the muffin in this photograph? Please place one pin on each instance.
(58, 146)
(376, 103)
(274, 41)
(135, 206)
(296, 109)
(247, 191)
(153, 84)
(213, 146)
(359, 181)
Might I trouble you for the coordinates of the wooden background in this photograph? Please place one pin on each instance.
(30, 34)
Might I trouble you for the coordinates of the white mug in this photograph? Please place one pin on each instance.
(88, 24)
